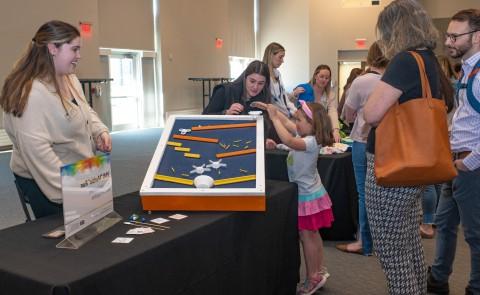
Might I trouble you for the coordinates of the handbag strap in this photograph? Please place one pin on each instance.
(426, 90)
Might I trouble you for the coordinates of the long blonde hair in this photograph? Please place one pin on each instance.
(36, 62)
(272, 49)
(318, 69)
(404, 24)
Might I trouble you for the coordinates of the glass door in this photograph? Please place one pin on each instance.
(344, 69)
(126, 91)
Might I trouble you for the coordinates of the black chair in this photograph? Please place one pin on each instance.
(23, 200)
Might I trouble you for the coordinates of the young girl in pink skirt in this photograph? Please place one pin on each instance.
(311, 129)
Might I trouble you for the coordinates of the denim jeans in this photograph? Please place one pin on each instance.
(359, 160)
(459, 203)
(429, 204)
(41, 205)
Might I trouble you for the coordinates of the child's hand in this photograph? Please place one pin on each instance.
(259, 105)
(270, 108)
(270, 144)
(272, 111)
(297, 91)
(336, 135)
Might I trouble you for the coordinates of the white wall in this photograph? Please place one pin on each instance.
(447, 8)
(20, 19)
(150, 105)
(287, 23)
(333, 28)
(126, 24)
(187, 31)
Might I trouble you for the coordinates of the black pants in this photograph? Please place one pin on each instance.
(41, 205)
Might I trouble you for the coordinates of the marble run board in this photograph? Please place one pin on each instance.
(187, 143)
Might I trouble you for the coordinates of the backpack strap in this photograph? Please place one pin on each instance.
(474, 102)
(470, 96)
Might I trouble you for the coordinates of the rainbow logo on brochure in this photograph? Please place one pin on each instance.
(87, 192)
(83, 165)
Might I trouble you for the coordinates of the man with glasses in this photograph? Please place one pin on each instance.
(460, 199)
(453, 37)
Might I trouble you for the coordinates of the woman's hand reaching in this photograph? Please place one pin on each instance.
(297, 91)
(104, 142)
(259, 105)
(336, 135)
(235, 109)
(270, 144)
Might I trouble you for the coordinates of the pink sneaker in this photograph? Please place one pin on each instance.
(324, 272)
(310, 286)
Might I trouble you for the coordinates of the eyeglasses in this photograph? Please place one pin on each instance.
(453, 37)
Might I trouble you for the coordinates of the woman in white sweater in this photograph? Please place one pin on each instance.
(47, 117)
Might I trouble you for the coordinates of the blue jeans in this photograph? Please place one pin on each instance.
(429, 204)
(359, 160)
(459, 203)
(41, 205)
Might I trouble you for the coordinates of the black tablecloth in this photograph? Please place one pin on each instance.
(336, 172)
(206, 253)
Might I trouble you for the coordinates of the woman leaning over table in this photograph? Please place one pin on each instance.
(394, 212)
(47, 117)
(234, 98)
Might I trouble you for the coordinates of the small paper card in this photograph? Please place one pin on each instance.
(159, 220)
(177, 216)
(121, 240)
(140, 231)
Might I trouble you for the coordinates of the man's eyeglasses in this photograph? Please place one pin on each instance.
(453, 37)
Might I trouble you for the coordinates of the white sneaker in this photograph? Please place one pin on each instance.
(311, 286)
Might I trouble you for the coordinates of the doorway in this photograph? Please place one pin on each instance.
(126, 91)
(344, 69)
(348, 60)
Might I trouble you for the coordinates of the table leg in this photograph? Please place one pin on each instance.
(203, 94)
(90, 99)
(209, 88)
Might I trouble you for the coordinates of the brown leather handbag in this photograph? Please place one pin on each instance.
(411, 143)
